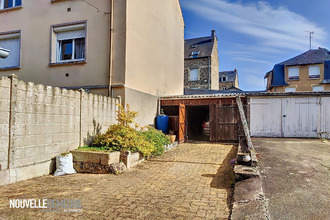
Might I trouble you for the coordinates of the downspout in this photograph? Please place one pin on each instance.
(209, 70)
(110, 93)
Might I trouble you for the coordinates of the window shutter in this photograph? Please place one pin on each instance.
(13, 45)
(71, 35)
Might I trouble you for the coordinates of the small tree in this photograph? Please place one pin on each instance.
(125, 117)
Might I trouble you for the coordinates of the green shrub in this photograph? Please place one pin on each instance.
(121, 137)
(157, 138)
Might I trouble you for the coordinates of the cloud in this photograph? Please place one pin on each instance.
(251, 60)
(274, 28)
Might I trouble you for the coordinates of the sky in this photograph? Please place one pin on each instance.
(254, 35)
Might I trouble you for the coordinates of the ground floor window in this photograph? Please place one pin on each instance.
(10, 41)
(318, 88)
(290, 89)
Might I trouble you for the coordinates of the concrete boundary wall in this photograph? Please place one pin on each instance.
(38, 122)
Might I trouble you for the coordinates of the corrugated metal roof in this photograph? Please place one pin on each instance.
(242, 94)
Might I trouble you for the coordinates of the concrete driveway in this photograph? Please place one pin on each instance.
(192, 181)
(295, 175)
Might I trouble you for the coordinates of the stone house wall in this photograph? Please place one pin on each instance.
(203, 73)
(227, 85)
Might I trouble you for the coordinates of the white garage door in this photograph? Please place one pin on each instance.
(290, 117)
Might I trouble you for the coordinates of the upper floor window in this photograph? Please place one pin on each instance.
(10, 3)
(10, 41)
(224, 88)
(293, 73)
(70, 41)
(194, 54)
(314, 72)
(193, 75)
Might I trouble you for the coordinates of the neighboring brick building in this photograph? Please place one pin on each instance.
(201, 63)
(228, 80)
(309, 71)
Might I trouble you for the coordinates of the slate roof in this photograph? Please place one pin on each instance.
(203, 44)
(316, 56)
(231, 75)
(309, 57)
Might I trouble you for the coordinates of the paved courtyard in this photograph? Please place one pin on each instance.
(295, 175)
(192, 181)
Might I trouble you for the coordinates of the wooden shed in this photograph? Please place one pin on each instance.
(218, 113)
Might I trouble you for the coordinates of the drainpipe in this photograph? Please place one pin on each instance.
(209, 69)
(110, 92)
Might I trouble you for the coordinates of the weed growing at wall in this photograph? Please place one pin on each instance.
(122, 137)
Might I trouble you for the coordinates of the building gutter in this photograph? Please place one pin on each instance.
(209, 70)
(110, 93)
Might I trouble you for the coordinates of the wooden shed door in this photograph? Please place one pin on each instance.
(224, 122)
(182, 123)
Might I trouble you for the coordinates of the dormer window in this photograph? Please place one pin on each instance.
(223, 78)
(194, 54)
(10, 3)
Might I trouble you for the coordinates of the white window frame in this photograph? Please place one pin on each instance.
(312, 69)
(62, 28)
(12, 35)
(2, 4)
(290, 89)
(195, 70)
(318, 88)
(293, 73)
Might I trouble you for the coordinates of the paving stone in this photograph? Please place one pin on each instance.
(191, 181)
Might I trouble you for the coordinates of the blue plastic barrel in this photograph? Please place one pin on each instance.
(162, 123)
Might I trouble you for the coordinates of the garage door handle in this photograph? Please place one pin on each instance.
(284, 116)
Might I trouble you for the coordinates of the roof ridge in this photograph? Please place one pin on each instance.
(198, 38)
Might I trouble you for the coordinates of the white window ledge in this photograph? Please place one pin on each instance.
(72, 62)
(10, 9)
